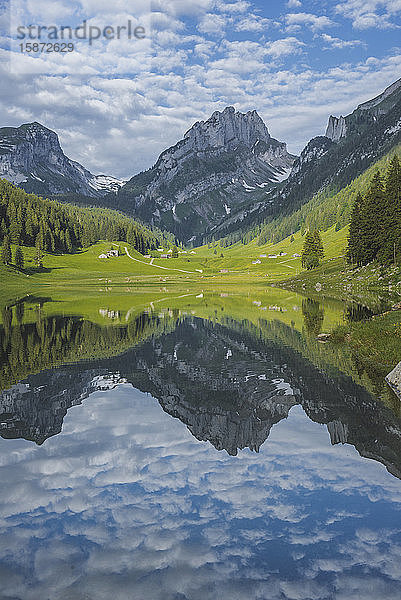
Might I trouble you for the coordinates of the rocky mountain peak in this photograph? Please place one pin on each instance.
(31, 156)
(209, 176)
(228, 129)
(365, 115)
(389, 91)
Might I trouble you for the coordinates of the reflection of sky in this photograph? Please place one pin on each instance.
(126, 504)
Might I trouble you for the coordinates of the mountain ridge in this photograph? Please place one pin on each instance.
(225, 176)
(32, 158)
(207, 174)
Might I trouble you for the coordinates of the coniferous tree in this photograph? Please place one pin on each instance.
(15, 232)
(62, 226)
(390, 249)
(19, 258)
(6, 251)
(312, 252)
(354, 251)
(318, 244)
(68, 243)
(372, 227)
(38, 251)
(373, 220)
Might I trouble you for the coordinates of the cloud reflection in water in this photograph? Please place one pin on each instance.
(125, 503)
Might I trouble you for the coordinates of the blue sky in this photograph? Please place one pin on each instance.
(117, 104)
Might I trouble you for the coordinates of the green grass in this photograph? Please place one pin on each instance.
(370, 284)
(86, 268)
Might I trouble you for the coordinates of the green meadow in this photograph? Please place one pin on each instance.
(248, 265)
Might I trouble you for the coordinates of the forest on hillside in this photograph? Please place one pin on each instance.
(51, 226)
(375, 227)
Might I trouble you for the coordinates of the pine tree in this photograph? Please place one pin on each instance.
(6, 251)
(390, 249)
(373, 220)
(38, 251)
(318, 245)
(354, 250)
(19, 258)
(15, 232)
(312, 252)
(68, 243)
(174, 253)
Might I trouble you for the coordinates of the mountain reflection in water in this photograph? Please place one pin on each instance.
(127, 502)
(227, 386)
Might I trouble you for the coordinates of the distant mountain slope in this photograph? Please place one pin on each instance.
(214, 171)
(31, 157)
(331, 162)
(325, 209)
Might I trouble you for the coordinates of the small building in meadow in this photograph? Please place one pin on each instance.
(109, 253)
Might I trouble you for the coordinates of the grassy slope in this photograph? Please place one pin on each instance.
(370, 284)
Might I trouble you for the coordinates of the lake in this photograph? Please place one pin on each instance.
(200, 447)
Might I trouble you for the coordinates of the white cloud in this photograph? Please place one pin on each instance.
(182, 8)
(334, 42)
(125, 502)
(294, 3)
(253, 23)
(212, 24)
(371, 14)
(234, 7)
(284, 47)
(295, 21)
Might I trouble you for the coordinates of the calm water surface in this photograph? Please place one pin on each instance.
(191, 459)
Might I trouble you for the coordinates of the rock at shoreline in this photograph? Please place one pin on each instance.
(394, 380)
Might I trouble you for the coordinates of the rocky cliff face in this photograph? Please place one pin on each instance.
(336, 128)
(214, 171)
(31, 157)
(365, 115)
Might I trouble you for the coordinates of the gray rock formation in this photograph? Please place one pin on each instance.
(336, 128)
(31, 157)
(367, 113)
(378, 101)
